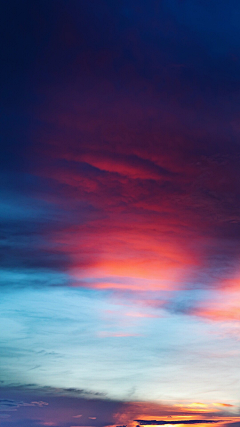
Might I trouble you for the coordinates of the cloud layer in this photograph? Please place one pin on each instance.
(120, 211)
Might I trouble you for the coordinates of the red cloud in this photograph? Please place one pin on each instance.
(156, 209)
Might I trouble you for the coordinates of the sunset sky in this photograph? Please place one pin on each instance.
(120, 213)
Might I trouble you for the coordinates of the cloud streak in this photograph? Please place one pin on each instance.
(160, 422)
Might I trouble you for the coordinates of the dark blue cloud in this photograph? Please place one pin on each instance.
(61, 406)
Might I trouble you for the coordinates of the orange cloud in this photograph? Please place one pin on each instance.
(224, 307)
(227, 405)
(200, 407)
(172, 413)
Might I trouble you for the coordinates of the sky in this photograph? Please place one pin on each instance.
(120, 213)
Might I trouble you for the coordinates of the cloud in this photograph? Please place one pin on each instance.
(131, 166)
(120, 177)
(157, 208)
(160, 422)
(29, 402)
(227, 405)
(12, 405)
(28, 422)
(64, 405)
(8, 403)
(126, 187)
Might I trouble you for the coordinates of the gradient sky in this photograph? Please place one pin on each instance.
(120, 213)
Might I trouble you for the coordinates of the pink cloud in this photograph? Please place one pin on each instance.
(160, 214)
